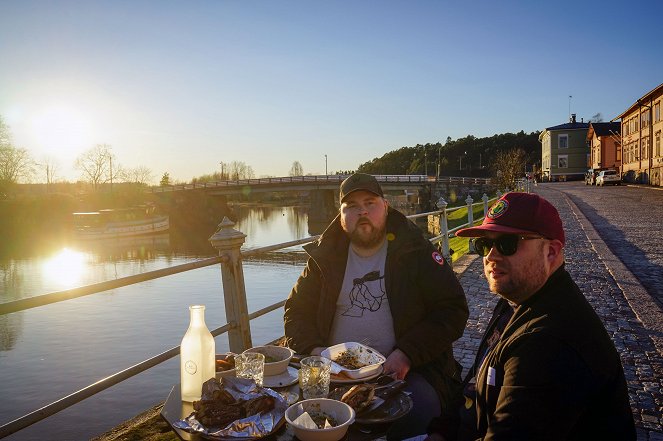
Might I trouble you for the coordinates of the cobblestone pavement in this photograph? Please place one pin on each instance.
(628, 218)
(608, 286)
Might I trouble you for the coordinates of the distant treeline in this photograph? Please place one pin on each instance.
(469, 156)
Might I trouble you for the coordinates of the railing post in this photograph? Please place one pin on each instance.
(444, 229)
(470, 215)
(228, 242)
(498, 194)
(485, 198)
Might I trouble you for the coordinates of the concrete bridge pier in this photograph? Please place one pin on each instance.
(323, 206)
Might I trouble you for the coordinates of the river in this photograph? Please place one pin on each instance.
(51, 351)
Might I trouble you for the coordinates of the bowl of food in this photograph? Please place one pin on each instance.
(356, 360)
(225, 365)
(325, 419)
(276, 358)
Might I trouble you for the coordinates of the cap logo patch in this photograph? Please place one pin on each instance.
(498, 209)
(437, 257)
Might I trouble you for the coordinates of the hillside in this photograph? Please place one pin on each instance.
(469, 156)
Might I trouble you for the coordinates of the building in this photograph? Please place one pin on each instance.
(642, 159)
(564, 151)
(604, 140)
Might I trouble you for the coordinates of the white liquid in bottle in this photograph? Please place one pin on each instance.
(197, 354)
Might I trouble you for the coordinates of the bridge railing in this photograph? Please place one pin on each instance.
(324, 179)
(228, 242)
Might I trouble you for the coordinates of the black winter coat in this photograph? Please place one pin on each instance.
(554, 374)
(426, 300)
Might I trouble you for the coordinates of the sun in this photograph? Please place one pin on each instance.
(61, 128)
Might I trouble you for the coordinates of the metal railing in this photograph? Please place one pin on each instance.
(228, 242)
(318, 179)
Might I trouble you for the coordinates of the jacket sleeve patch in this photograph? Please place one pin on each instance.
(437, 257)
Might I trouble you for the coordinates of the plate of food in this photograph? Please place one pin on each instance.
(356, 361)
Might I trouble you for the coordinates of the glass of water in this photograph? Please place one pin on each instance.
(250, 365)
(314, 377)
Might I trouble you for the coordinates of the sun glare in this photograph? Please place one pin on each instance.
(61, 128)
(65, 268)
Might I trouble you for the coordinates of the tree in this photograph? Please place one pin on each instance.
(239, 170)
(96, 165)
(165, 180)
(139, 175)
(508, 166)
(296, 169)
(15, 163)
(597, 118)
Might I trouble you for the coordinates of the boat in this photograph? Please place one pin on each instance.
(119, 222)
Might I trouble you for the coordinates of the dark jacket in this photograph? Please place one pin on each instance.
(557, 374)
(427, 303)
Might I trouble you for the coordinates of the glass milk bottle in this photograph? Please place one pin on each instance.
(197, 354)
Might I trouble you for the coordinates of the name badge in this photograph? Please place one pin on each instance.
(490, 380)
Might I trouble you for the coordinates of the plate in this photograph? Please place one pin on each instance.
(369, 357)
(393, 409)
(289, 377)
(341, 379)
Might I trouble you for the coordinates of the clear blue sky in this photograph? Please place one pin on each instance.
(179, 86)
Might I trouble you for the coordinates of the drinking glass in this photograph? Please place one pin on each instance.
(314, 377)
(250, 365)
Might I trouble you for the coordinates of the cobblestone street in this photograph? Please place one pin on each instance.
(621, 293)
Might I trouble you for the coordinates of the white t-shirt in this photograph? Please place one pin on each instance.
(362, 309)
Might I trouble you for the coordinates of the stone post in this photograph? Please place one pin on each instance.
(444, 229)
(228, 242)
(470, 215)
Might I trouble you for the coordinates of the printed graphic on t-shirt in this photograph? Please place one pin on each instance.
(366, 296)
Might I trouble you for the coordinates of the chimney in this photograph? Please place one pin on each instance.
(573, 118)
(582, 120)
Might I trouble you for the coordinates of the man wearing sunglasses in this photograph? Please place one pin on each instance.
(546, 368)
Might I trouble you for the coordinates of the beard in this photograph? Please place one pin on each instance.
(366, 239)
(523, 280)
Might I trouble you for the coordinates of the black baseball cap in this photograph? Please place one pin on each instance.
(360, 181)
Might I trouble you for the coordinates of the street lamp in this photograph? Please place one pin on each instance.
(326, 172)
(425, 163)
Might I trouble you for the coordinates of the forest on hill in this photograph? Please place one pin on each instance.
(468, 156)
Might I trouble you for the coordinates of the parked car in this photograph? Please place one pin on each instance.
(608, 177)
(590, 177)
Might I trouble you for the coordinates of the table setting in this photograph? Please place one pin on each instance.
(269, 392)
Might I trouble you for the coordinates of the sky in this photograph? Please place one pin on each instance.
(181, 86)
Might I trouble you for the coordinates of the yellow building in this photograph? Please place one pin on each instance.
(642, 156)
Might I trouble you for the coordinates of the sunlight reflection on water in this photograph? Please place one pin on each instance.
(51, 351)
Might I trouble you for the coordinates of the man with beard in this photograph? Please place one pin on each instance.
(372, 277)
(546, 368)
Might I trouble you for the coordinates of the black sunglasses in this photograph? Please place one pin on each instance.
(507, 244)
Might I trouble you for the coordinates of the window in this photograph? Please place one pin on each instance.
(657, 111)
(563, 141)
(644, 118)
(658, 143)
(563, 161)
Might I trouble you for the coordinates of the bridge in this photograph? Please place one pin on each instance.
(323, 189)
(315, 182)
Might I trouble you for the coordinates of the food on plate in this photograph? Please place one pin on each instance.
(358, 396)
(321, 418)
(225, 364)
(349, 360)
(223, 409)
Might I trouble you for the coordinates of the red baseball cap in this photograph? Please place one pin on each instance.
(520, 213)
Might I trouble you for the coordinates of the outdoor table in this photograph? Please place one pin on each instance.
(175, 409)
